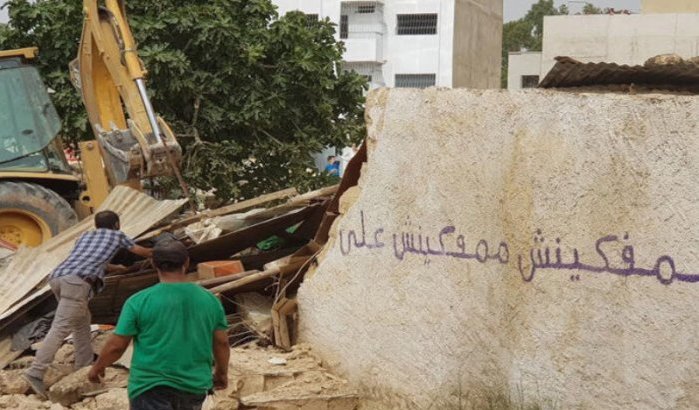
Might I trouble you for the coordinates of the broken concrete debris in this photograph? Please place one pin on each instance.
(227, 259)
(257, 381)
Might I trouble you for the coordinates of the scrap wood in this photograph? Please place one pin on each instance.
(237, 285)
(258, 260)
(282, 312)
(309, 196)
(106, 306)
(229, 244)
(307, 253)
(293, 203)
(226, 210)
(213, 282)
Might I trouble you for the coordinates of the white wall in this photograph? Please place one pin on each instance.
(622, 39)
(414, 54)
(521, 64)
(421, 54)
(307, 6)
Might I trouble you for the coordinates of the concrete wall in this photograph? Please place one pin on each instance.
(622, 39)
(532, 244)
(521, 64)
(477, 43)
(669, 6)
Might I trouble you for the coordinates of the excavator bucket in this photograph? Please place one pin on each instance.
(134, 141)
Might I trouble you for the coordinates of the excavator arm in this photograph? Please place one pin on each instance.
(134, 141)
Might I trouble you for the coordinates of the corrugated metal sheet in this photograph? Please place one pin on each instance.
(569, 72)
(29, 267)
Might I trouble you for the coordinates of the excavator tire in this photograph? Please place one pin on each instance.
(31, 214)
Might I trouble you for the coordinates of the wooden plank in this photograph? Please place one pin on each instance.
(309, 196)
(280, 322)
(244, 205)
(213, 282)
(293, 266)
(227, 245)
(226, 210)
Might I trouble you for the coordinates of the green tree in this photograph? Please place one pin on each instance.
(590, 8)
(249, 94)
(527, 32)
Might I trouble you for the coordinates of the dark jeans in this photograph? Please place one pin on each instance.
(167, 398)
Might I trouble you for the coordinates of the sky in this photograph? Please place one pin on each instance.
(515, 9)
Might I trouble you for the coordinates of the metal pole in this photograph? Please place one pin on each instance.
(156, 132)
(149, 109)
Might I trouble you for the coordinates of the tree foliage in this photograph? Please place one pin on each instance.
(249, 94)
(527, 32)
(590, 8)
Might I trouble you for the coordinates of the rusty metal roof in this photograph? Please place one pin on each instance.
(29, 267)
(569, 72)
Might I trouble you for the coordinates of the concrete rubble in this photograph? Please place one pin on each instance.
(300, 382)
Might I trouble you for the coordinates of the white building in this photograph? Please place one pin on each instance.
(523, 70)
(416, 43)
(663, 27)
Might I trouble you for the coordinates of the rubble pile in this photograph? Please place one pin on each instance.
(263, 378)
(251, 254)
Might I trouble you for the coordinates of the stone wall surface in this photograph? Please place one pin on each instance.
(537, 245)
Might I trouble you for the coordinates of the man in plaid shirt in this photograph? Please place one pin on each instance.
(73, 283)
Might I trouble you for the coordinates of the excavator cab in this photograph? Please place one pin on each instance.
(37, 185)
(132, 143)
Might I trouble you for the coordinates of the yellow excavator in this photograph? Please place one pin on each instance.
(40, 194)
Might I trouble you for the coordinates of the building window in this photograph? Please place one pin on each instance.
(311, 19)
(530, 81)
(344, 26)
(416, 24)
(366, 9)
(415, 80)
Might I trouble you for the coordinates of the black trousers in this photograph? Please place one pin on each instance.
(167, 398)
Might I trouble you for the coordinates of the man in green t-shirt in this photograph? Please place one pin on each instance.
(179, 330)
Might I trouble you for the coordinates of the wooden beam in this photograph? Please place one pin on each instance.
(293, 266)
(226, 210)
(280, 322)
(213, 282)
(308, 196)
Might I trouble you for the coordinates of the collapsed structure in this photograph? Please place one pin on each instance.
(251, 254)
(536, 247)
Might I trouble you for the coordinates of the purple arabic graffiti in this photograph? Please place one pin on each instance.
(540, 257)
